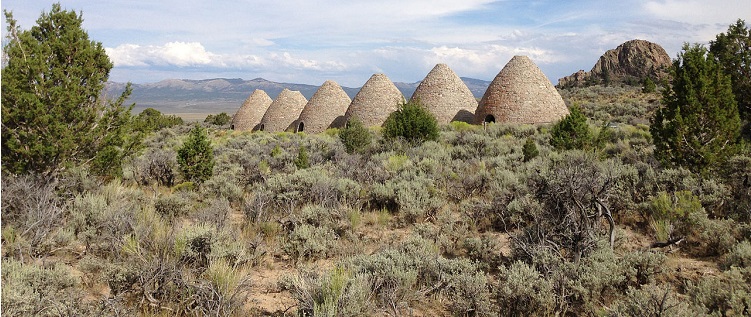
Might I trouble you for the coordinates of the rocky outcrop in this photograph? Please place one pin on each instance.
(629, 63)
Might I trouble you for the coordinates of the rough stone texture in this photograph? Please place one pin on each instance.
(446, 96)
(375, 101)
(631, 61)
(283, 111)
(521, 93)
(250, 113)
(324, 110)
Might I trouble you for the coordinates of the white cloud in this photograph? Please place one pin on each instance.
(699, 11)
(487, 56)
(180, 54)
(185, 54)
(194, 55)
(347, 40)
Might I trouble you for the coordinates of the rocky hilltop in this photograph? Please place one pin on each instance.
(629, 63)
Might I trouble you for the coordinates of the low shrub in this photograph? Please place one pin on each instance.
(224, 291)
(337, 292)
(411, 122)
(31, 290)
(310, 242)
(156, 166)
(171, 206)
(726, 295)
(31, 205)
(642, 267)
(652, 300)
(739, 256)
(522, 291)
(214, 213)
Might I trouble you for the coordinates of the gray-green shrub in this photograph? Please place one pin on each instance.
(522, 291)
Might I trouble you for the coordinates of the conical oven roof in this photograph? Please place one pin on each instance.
(324, 110)
(250, 113)
(375, 101)
(521, 93)
(446, 96)
(283, 111)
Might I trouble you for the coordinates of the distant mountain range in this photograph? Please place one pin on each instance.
(227, 95)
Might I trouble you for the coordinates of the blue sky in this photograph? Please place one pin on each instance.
(305, 41)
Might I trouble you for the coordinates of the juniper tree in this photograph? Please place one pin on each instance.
(571, 132)
(733, 51)
(53, 112)
(530, 150)
(355, 136)
(195, 157)
(411, 122)
(697, 125)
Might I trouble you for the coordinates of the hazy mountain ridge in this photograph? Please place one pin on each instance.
(227, 94)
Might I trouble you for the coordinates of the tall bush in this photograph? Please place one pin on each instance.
(697, 126)
(195, 157)
(53, 112)
(411, 122)
(355, 136)
(571, 132)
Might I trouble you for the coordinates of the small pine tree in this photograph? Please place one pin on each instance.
(195, 157)
(571, 132)
(301, 161)
(411, 122)
(530, 150)
(733, 52)
(648, 85)
(698, 125)
(276, 151)
(355, 136)
(150, 120)
(605, 77)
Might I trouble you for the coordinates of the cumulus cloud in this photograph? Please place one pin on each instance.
(310, 41)
(487, 56)
(699, 11)
(194, 55)
(180, 54)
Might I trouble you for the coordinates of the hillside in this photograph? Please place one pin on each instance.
(470, 224)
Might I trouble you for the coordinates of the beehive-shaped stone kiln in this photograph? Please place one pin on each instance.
(251, 112)
(375, 101)
(520, 93)
(284, 110)
(324, 110)
(446, 96)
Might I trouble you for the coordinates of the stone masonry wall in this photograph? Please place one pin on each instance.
(446, 96)
(521, 93)
(283, 111)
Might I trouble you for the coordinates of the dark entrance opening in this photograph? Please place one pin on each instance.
(260, 128)
(232, 127)
(300, 127)
(489, 118)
